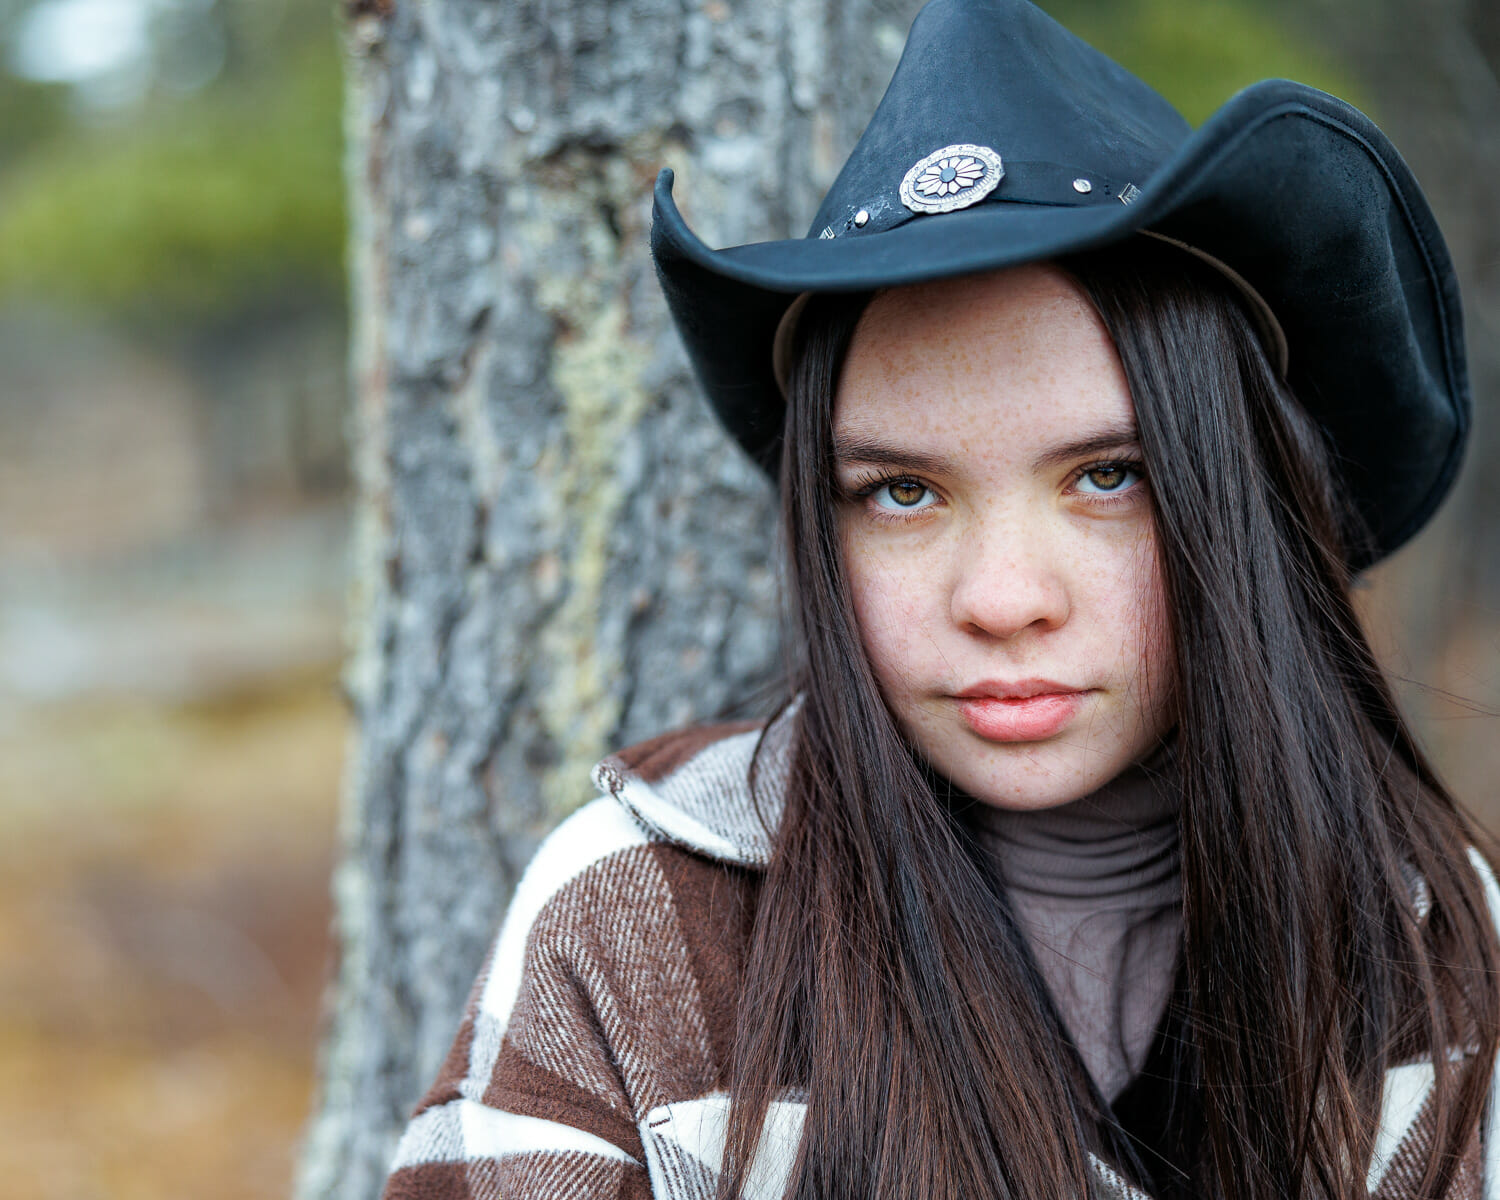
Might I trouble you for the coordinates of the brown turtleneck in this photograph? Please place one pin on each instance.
(1097, 886)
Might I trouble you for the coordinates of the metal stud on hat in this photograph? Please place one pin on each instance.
(951, 178)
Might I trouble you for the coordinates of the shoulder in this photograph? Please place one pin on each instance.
(614, 978)
(713, 790)
(646, 855)
(692, 789)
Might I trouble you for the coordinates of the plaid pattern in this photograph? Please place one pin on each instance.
(589, 1061)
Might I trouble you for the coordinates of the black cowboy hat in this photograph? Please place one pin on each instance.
(1004, 139)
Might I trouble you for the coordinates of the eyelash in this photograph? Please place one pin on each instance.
(867, 486)
(1124, 495)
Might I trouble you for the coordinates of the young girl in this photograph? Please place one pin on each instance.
(1090, 855)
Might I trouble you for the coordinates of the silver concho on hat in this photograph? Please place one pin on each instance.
(951, 178)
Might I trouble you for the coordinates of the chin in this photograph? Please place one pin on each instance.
(1030, 776)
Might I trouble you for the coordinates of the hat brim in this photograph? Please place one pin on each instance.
(1295, 190)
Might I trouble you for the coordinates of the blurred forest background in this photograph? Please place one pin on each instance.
(174, 509)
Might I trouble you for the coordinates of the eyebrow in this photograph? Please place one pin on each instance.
(871, 450)
(1112, 438)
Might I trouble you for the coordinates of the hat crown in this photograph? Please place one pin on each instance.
(1294, 195)
(1004, 75)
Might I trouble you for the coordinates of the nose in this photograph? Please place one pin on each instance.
(1007, 581)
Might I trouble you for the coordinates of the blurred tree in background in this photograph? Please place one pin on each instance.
(188, 185)
(171, 286)
(172, 543)
(1198, 53)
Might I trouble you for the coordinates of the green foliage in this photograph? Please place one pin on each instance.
(31, 114)
(193, 212)
(1198, 53)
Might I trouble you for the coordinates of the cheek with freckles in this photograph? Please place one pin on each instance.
(895, 615)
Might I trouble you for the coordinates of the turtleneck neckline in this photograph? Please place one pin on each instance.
(1115, 847)
(1096, 886)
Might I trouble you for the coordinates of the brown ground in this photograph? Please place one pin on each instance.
(163, 930)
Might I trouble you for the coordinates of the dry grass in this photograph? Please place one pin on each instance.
(163, 935)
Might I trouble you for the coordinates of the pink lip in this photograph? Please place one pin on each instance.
(1027, 710)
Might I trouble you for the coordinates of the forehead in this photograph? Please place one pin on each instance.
(1020, 351)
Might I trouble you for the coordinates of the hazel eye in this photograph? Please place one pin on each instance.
(902, 495)
(1107, 478)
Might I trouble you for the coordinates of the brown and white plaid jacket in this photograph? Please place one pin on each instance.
(590, 1059)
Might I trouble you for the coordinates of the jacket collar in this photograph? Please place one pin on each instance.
(717, 790)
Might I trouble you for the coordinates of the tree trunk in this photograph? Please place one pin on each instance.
(557, 550)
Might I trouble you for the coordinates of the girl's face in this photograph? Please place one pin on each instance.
(998, 535)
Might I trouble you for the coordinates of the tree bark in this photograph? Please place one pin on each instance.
(557, 550)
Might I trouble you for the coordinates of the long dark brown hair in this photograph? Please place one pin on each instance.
(1333, 924)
